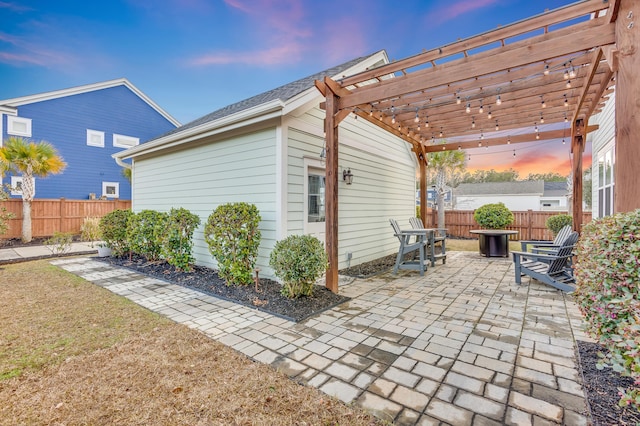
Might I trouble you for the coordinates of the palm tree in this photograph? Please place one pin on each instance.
(445, 167)
(30, 159)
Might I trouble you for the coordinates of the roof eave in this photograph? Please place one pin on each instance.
(259, 113)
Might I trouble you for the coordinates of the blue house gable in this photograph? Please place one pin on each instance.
(86, 125)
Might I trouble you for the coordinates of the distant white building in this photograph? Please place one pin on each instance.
(518, 196)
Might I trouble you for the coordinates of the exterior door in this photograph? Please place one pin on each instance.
(315, 202)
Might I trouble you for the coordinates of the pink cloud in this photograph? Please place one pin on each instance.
(452, 10)
(13, 7)
(272, 56)
(32, 53)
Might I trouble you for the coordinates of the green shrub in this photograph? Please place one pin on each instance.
(233, 238)
(5, 215)
(493, 216)
(608, 292)
(113, 227)
(90, 229)
(60, 243)
(557, 222)
(146, 231)
(298, 260)
(178, 240)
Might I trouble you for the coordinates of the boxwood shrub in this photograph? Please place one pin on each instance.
(493, 216)
(146, 231)
(233, 237)
(113, 228)
(177, 243)
(298, 260)
(556, 222)
(607, 274)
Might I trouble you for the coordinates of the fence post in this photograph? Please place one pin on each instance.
(530, 224)
(61, 225)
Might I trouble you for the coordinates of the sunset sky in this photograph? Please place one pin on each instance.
(195, 56)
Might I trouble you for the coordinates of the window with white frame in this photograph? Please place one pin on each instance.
(111, 189)
(606, 165)
(95, 138)
(19, 126)
(16, 185)
(122, 141)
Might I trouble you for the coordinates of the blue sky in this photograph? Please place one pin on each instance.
(195, 56)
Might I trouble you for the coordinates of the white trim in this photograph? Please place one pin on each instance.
(95, 138)
(281, 181)
(39, 97)
(116, 186)
(311, 163)
(301, 125)
(12, 121)
(14, 184)
(123, 141)
(239, 120)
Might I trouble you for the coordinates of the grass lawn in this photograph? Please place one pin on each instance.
(74, 353)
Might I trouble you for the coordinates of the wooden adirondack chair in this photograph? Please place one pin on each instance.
(542, 246)
(549, 269)
(438, 238)
(418, 247)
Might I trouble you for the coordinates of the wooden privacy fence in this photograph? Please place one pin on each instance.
(531, 225)
(60, 215)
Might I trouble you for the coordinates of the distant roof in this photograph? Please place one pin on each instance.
(45, 96)
(552, 189)
(282, 93)
(526, 187)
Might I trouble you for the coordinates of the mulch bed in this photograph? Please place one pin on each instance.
(266, 298)
(601, 387)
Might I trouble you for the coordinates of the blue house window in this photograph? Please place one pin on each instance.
(122, 141)
(111, 189)
(19, 126)
(95, 138)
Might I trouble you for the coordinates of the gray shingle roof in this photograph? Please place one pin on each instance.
(552, 189)
(501, 188)
(283, 93)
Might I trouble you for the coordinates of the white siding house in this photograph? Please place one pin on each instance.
(603, 155)
(265, 150)
(517, 196)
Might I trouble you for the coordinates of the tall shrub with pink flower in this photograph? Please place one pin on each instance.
(607, 275)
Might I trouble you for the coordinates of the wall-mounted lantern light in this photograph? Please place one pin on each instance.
(347, 176)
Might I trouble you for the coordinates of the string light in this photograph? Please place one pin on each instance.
(393, 119)
(514, 152)
(481, 135)
(509, 140)
(469, 159)
(541, 118)
(568, 85)
(498, 100)
(566, 120)
(458, 100)
(497, 126)
(481, 109)
(459, 147)
(417, 119)
(468, 109)
(473, 122)
(566, 101)
(489, 114)
(441, 133)
(546, 69)
(566, 74)
(572, 71)
(426, 121)
(543, 104)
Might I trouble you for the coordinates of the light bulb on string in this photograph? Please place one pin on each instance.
(498, 100)
(514, 152)
(458, 100)
(426, 122)
(566, 101)
(497, 126)
(473, 122)
(481, 109)
(509, 140)
(546, 69)
(441, 132)
(417, 119)
(468, 109)
(568, 85)
(572, 71)
(543, 104)
(393, 119)
(489, 115)
(566, 74)
(541, 118)
(459, 147)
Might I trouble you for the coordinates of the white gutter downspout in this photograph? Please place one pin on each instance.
(122, 163)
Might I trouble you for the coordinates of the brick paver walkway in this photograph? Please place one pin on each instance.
(462, 345)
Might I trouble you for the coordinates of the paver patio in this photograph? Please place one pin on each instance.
(462, 345)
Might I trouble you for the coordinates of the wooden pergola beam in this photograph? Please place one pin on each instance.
(580, 37)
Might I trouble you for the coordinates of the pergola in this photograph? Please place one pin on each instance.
(558, 67)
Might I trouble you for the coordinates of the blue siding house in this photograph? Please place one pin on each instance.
(86, 124)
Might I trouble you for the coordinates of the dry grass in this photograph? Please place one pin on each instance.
(73, 353)
(454, 244)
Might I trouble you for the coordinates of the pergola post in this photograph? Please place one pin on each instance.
(577, 147)
(422, 160)
(627, 144)
(331, 190)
